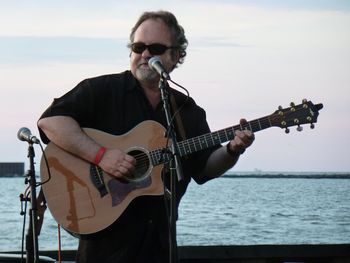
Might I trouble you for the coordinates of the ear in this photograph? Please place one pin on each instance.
(175, 57)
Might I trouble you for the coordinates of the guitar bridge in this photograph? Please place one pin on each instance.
(96, 176)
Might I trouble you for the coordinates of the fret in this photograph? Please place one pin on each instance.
(152, 158)
(187, 148)
(250, 127)
(216, 139)
(231, 133)
(265, 123)
(159, 156)
(198, 143)
(268, 118)
(255, 126)
(223, 137)
(259, 124)
(194, 144)
(155, 157)
(204, 142)
(212, 139)
(181, 148)
(227, 138)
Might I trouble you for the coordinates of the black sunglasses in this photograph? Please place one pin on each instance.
(154, 49)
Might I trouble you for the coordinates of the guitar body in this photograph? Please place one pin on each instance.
(71, 194)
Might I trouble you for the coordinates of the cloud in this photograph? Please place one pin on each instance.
(314, 5)
(249, 57)
(66, 49)
(28, 49)
(216, 42)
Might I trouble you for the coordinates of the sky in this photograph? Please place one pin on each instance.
(245, 58)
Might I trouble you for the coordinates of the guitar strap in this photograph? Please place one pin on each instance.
(178, 118)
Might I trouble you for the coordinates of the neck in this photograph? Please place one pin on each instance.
(152, 93)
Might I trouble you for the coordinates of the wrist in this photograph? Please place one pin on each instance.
(233, 153)
(99, 155)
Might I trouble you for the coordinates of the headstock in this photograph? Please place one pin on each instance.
(296, 115)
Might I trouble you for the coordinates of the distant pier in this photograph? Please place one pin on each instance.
(11, 169)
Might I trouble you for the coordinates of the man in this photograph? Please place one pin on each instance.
(115, 104)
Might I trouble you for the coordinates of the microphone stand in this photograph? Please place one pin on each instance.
(174, 168)
(32, 247)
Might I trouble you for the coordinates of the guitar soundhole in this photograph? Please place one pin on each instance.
(143, 166)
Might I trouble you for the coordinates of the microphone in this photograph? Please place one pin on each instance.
(24, 134)
(156, 64)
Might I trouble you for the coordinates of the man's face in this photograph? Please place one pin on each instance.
(150, 32)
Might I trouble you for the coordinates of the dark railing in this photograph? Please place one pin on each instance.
(225, 254)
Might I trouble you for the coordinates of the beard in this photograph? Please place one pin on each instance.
(146, 75)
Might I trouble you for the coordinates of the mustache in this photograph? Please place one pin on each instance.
(142, 62)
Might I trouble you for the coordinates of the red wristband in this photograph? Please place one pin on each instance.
(99, 155)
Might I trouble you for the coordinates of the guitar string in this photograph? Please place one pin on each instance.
(201, 142)
(214, 138)
(143, 161)
(220, 136)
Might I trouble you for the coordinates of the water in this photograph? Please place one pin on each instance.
(248, 211)
(225, 211)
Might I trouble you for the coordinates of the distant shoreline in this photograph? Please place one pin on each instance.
(12, 176)
(287, 175)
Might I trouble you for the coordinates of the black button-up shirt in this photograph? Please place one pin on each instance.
(116, 104)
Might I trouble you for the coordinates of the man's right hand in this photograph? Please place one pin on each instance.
(117, 163)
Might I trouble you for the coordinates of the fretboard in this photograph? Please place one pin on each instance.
(208, 140)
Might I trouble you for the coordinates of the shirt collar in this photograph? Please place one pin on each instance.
(133, 83)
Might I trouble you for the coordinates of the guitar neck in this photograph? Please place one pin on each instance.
(296, 115)
(208, 140)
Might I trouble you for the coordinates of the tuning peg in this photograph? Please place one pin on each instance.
(292, 104)
(312, 126)
(304, 100)
(280, 107)
(299, 128)
(287, 130)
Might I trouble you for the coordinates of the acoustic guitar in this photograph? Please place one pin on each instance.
(84, 199)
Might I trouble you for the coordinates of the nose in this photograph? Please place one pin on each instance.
(146, 54)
